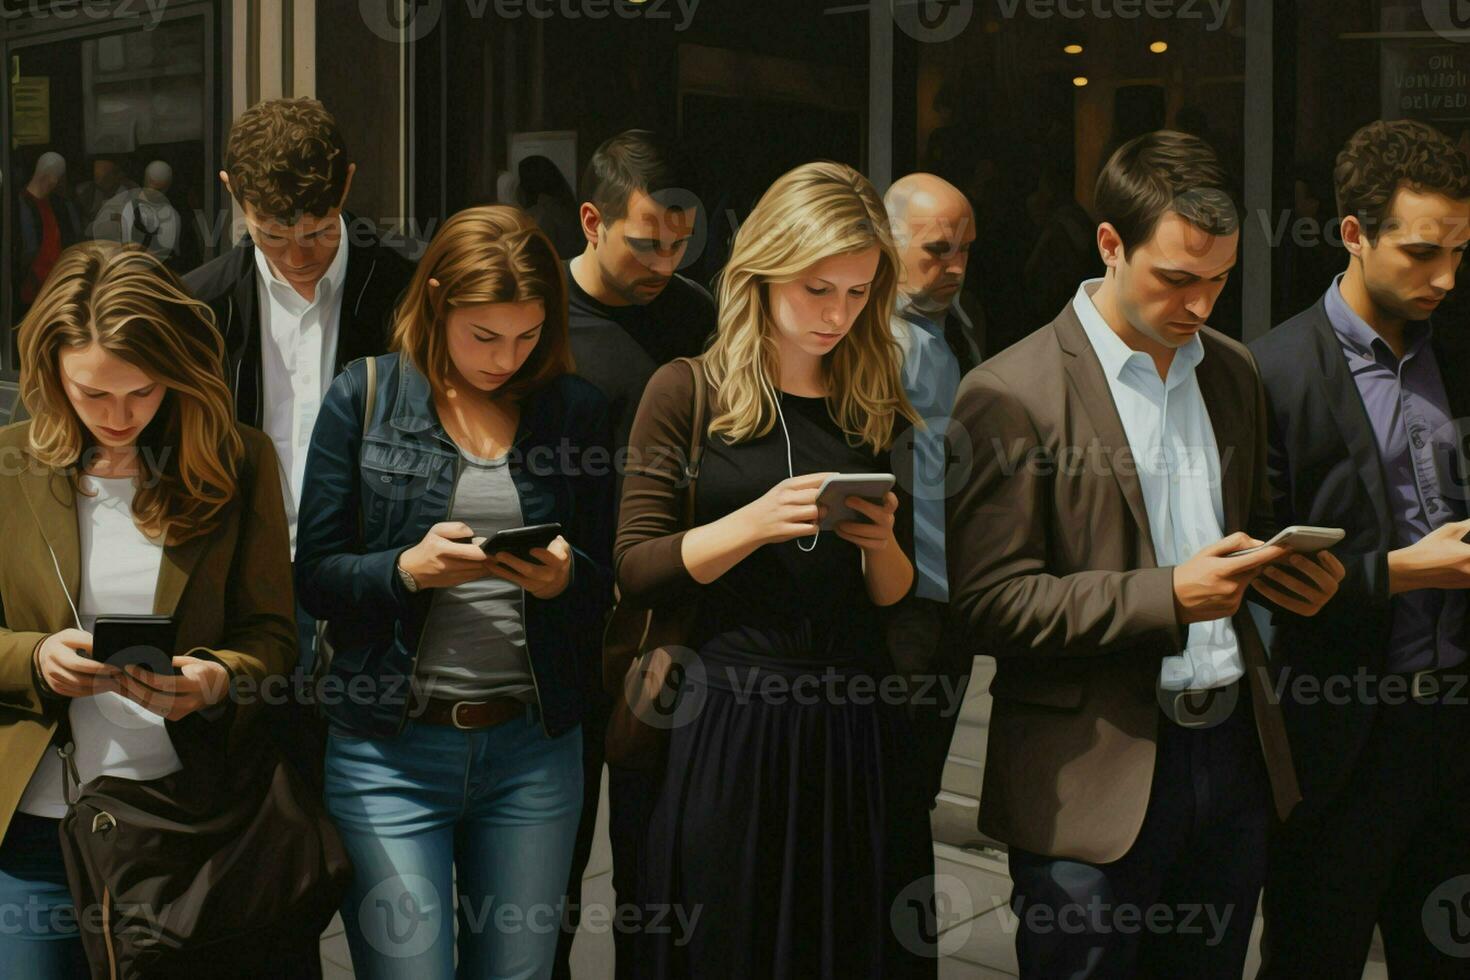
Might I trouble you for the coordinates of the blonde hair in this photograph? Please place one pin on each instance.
(492, 254)
(123, 299)
(809, 214)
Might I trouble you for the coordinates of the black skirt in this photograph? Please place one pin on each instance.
(790, 839)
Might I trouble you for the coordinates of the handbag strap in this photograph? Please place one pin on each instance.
(697, 424)
(371, 363)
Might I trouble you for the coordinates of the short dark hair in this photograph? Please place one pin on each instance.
(286, 158)
(633, 160)
(1159, 172)
(1383, 156)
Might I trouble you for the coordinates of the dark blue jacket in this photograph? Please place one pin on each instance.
(367, 499)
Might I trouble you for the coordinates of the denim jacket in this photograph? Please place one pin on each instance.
(369, 497)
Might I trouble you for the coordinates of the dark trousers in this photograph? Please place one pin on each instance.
(926, 652)
(630, 797)
(1392, 849)
(1182, 901)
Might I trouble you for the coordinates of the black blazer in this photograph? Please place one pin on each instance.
(376, 278)
(1324, 468)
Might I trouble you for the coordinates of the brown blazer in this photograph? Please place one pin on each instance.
(230, 592)
(1052, 572)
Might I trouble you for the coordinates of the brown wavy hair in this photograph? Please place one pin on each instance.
(287, 158)
(123, 298)
(492, 254)
(1382, 156)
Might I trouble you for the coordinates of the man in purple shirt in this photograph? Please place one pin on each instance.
(1369, 410)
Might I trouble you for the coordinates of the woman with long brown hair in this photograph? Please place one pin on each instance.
(454, 762)
(130, 490)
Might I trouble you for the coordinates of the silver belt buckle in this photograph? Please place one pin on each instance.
(454, 713)
(1424, 684)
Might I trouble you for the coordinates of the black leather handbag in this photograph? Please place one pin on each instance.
(207, 872)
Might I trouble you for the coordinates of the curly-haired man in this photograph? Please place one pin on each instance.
(294, 305)
(1368, 407)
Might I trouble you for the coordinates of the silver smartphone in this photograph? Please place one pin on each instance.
(837, 488)
(1300, 539)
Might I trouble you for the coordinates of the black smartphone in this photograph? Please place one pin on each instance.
(519, 541)
(149, 641)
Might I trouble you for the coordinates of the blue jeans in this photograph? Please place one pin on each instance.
(39, 939)
(490, 814)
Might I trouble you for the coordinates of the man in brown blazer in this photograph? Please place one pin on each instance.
(1135, 750)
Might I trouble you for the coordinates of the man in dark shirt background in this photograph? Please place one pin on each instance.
(629, 312)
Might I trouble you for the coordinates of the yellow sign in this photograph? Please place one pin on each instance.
(30, 111)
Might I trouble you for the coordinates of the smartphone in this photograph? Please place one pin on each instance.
(122, 641)
(837, 488)
(519, 541)
(1300, 539)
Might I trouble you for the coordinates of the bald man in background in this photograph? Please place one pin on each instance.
(933, 228)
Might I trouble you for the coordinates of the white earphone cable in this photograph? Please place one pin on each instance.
(790, 470)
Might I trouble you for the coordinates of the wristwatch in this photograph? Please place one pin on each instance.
(406, 579)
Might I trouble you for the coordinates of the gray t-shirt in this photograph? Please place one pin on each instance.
(474, 642)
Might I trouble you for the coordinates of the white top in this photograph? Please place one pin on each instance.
(298, 350)
(113, 735)
(1178, 462)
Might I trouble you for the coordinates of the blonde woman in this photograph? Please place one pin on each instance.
(785, 825)
(454, 762)
(130, 490)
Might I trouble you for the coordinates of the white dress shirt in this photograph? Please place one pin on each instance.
(298, 351)
(1178, 463)
(113, 735)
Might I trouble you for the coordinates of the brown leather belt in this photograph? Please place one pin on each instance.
(468, 714)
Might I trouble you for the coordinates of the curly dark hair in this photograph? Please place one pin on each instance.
(1384, 156)
(286, 158)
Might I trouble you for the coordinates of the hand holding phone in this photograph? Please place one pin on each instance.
(445, 557)
(64, 661)
(545, 572)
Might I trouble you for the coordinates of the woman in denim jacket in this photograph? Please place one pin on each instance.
(454, 753)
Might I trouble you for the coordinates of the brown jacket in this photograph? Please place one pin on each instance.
(229, 591)
(1052, 572)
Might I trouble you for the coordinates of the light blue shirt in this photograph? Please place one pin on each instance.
(931, 378)
(1178, 463)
